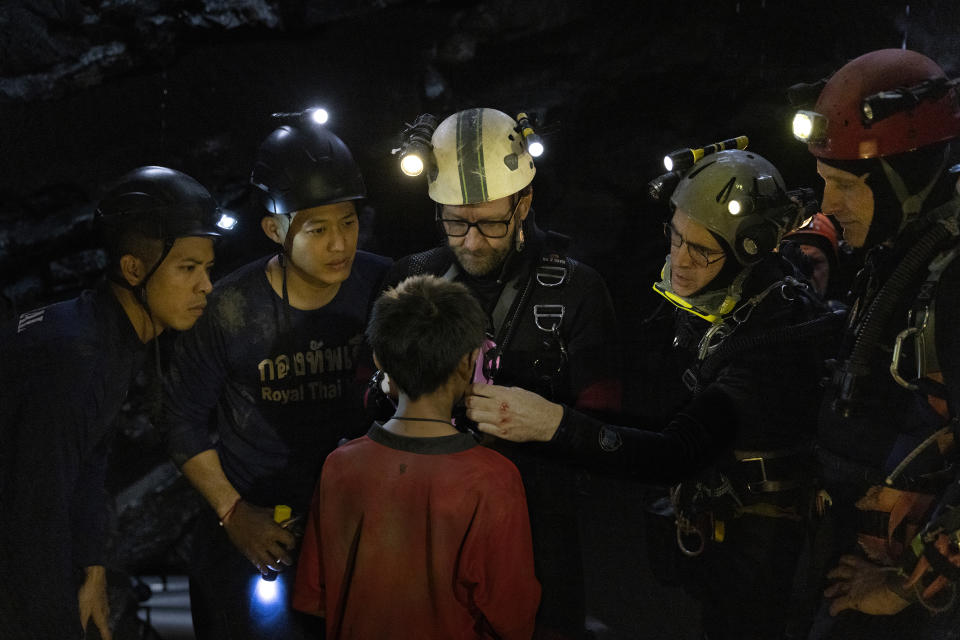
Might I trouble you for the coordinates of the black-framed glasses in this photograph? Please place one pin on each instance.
(456, 228)
(699, 254)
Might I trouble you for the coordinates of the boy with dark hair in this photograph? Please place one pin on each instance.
(416, 530)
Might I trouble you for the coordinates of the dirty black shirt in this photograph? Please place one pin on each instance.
(282, 382)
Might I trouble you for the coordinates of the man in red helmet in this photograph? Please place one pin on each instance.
(814, 247)
(881, 131)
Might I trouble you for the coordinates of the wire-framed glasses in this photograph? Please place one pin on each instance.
(699, 254)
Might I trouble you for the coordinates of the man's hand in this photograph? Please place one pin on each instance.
(513, 413)
(862, 586)
(92, 599)
(265, 543)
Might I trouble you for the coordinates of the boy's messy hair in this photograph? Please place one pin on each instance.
(420, 330)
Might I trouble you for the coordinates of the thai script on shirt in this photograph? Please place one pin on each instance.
(285, 377)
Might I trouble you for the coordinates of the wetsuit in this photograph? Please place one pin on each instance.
(64, 375)
(741, 449)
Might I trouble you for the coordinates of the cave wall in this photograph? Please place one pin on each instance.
(90, 89)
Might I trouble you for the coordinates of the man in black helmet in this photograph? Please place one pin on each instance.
(275, 359)
(65, 372)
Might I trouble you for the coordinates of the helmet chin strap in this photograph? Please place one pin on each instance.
(283, 221)
(139, 290)
(711, 305)
(911, 204)
(285, 254)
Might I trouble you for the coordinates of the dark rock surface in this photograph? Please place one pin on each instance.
(92, 88)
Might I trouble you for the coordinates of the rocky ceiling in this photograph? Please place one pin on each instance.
(92, 88)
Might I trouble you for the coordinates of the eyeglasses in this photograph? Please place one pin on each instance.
(456, 228)
(699, 255)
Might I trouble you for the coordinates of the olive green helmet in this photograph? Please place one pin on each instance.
(740, 197)
(480, 156)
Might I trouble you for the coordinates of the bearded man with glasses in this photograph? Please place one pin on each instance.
(551, 326)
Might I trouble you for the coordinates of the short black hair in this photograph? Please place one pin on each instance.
(130, 241)
(421, 329)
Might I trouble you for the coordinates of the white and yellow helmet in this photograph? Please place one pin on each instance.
(480, 156)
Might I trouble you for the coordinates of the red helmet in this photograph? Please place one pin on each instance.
(817, 225)
(841, 103)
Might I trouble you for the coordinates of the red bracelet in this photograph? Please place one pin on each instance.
(233, 507)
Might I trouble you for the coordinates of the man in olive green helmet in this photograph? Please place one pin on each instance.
(748, 335)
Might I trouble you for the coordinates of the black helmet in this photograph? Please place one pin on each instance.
(160, 203)
(303, 166)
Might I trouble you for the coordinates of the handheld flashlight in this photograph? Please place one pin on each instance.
(281, 513)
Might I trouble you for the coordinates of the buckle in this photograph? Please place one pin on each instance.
(757, 487)
(551, 276)
(546, 313)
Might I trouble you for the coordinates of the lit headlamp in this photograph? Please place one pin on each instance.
(416, 149)
(683, 159)
(810, 127)
(226, 221)
(317, 115)
(533, 141)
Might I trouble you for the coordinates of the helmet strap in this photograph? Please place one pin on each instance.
(911, 204)
(283, 221)
(139, 290)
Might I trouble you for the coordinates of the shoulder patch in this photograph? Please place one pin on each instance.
(29, 318)
(610, 440)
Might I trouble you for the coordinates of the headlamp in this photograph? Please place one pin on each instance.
(226, 222)
(683, 159)
(661, 188)
(884, 104)
(319, 115)
(534, 142)
(415, 148)
(315, 115)
(411, 164)
(810, 127)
